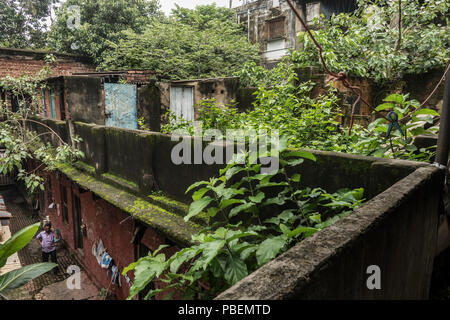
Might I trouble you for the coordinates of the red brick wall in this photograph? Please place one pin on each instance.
(17, 62)
(103, 221)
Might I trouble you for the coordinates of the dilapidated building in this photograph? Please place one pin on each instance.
(114, 98)
(273, 24)
(16, 62)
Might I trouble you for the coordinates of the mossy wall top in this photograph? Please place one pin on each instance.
(145, 159)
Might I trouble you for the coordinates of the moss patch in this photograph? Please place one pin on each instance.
(85, 167)
(168, 223)
(121, 182)
(178, 207)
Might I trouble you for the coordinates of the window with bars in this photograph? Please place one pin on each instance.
(275, 28)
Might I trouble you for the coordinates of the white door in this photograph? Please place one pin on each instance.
(182, 102)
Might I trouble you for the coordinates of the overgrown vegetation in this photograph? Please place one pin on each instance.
(19, 277)
(100, 22)
(199, 43)
(313, 122)
(20, 142)
(243, 233)
(23, 22)
(373, 42)
(240, 236)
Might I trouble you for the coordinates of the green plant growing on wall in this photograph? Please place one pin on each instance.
(175, 123)
(312, 122)
(142, 125)
(20, 142)
(399, 145)
(242, 233)
(19, 277)
(369, 43)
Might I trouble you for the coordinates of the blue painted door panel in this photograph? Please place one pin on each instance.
(121, 105)
(52, 104)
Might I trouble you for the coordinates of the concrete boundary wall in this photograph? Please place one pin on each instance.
(143, 159)
(396, 231)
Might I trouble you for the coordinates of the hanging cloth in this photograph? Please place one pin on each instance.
(106, 260)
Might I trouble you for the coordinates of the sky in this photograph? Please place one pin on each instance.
(168, 5)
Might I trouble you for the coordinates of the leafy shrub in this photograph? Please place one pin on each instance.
(241, 236)
(19, 277)
(366, 43)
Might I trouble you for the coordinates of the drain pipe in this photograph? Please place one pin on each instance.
(443, 144)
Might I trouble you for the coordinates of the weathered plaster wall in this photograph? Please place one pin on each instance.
(144, 160)
(223, 90)
(395, 231)
(149, 106)
(419, 88)
(84, 99)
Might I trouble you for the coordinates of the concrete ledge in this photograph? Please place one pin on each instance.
(397, 230)
(170, 224)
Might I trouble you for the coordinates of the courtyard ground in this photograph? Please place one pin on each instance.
(47, 286)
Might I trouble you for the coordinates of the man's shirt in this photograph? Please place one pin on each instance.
(48, 241)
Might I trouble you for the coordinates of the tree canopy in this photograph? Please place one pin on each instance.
(373, 42)
(100, 22)
(23, 23)
(192, 43)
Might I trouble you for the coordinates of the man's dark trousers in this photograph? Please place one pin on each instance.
(52, 255)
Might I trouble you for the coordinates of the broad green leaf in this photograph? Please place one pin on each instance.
(411, 148)
(301, 154)
(398, 98)
(17, 278)
(258, 198)
(316, 218)
(284, 229)
(182, 256)
(296, 177)
(269, 249)
(418, 131)
(306, 230)
(426, 111)
(199, 194)
(241, 235)
(292, 162)
(145, 271)
(19, 240)
(385, 106)
(235, 270)
(231, 172)
(209, 251)
(197, 206)
(228, 202)
(218, 266)
(197, 184)
(277, 200)
(212, 212)
(242, 207)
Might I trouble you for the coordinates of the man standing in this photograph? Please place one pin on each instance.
(47, 241)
